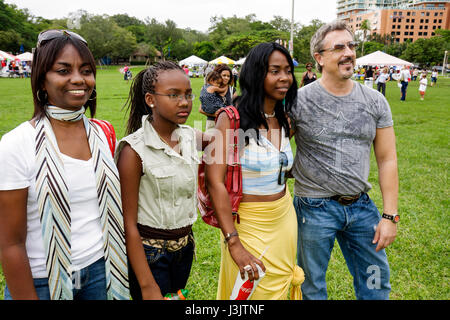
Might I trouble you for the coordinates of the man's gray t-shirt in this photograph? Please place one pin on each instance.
(334, 136)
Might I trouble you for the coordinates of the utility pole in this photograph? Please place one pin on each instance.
(291, 41)
(444, 63)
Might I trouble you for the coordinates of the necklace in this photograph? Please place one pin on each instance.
(272, 115)
(164, 140)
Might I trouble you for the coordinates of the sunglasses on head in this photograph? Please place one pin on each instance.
(283, 163)
(338, 47)
(51, 34)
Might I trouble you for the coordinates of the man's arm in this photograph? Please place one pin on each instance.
(386, 156)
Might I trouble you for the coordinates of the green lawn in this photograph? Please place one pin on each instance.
(419, 258)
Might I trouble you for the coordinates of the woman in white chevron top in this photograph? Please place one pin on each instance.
(61, 226)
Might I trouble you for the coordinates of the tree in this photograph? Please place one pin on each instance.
(371, 46)
(163, 36)
(18, 27)
(282, 24)
(365, 27)
(106, 38)
(426, 52)
(222, 28)
(10, 40)
(302, 41)
(204, 50)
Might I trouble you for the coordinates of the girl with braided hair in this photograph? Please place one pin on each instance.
(158, 164)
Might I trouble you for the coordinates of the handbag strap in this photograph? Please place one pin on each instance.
(110, 134)
(233, 182)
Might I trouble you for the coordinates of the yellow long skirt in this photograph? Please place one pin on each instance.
(272, 224)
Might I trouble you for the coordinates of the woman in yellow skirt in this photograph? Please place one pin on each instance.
(266, 213)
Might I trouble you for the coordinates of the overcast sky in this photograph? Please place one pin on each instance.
(194, 14)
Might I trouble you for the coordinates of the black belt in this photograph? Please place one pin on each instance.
(346, 200)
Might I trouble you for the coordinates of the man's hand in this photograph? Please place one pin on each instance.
(385, 234)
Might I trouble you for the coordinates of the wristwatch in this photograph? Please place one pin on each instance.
(393, 217)
(228, 236)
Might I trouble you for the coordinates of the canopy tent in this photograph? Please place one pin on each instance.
(240, 61)
(6, 55)
(379, 58)
(222, 60)
(193, 61)
(26, 56)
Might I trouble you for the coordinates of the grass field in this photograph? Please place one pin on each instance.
(419, 258)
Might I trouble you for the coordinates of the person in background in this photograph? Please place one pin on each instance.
(415, 74)
(336, 121)
(208, 68)
(266, 214)
(211, 98)
(186, 69)
(158, 165)
(61, 226)
(404, 78)
(368, 77)
(423, 86)
(235, 72)
(227, 81)
(308, 76)
(434, 76)
(381, 81)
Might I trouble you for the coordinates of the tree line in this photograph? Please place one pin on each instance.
(121, 36)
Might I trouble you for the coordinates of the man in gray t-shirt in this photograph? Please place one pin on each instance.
(335, 135)
(336, 121)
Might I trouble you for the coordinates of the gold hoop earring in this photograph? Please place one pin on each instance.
(38, 93)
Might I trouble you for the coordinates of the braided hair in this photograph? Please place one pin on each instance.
(144, 83)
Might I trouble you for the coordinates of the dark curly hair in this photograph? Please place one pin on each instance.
(144, 82)
(223, 67)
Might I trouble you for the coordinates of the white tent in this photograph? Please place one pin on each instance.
(240, 61)
(6, 55)
(379, 58)
(222, 60)
(26, 56)
(193, 61)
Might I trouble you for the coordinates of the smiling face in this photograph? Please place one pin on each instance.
(226, 76)
(70, 81)
(279, 77)
(337, 64)
(166, 109)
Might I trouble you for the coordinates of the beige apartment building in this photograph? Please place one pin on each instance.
(402, 19)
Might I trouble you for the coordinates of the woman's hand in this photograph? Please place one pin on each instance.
(151, 293)
(244, 259)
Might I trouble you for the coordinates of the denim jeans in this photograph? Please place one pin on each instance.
(320, 222)
(88, 284)
(381, 87)
(170, 269)
(403, 90)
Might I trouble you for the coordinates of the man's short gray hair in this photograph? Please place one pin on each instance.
(317, 39)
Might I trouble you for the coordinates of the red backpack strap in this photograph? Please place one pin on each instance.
(110, 134)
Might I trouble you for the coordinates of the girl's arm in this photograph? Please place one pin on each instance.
(219, 90)
(215, 181)
(13, 253)
(205, 113)
(130, 171)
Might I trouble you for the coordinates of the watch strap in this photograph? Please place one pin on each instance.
(393, 217)
(228, 236)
